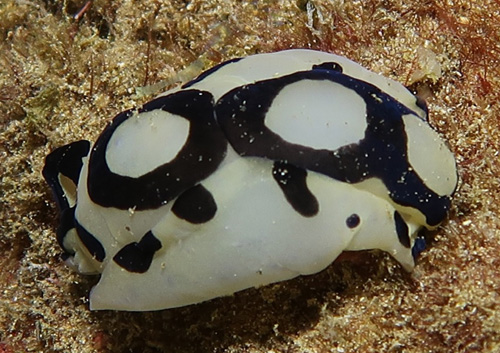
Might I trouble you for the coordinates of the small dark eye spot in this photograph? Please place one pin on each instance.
(353, 221)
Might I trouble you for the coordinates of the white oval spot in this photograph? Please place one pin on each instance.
(145, 141)
(430, 157)
(318, 114)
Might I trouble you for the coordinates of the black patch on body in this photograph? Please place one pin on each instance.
(209, 72)
(93, 245)
(333, 66)
(353, 221)
(204, 150)
(292, 181)
(418, 247)
(65, 160)
(382, 153)
(402, 230)
(195, 205)
(66, 223)
(137, 257)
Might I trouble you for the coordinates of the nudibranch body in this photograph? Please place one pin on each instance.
(259, 170)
